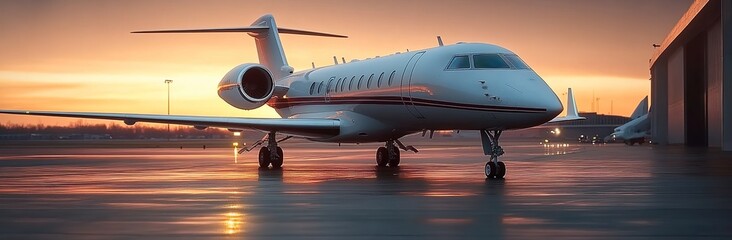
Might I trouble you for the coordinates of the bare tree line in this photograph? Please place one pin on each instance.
(112, 130)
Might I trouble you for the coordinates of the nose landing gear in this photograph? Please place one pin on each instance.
(493, 168)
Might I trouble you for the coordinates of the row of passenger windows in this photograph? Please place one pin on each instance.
(484, 61)
(344, 84)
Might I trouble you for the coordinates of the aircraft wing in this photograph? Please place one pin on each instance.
(305, 127)
(572, 114)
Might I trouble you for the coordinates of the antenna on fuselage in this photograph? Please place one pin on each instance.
(335, 60)
(313, 63)
(439, 41)
(343, 59)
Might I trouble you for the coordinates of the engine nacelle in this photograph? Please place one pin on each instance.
(247, 86)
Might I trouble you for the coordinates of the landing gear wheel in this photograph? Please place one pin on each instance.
(395, 159)
(264, 157)
(501, 170)
(382, 157)
(490, 170)
(277, 162)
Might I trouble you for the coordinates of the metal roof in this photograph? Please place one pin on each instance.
(683, 23)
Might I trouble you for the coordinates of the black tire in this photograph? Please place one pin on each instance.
(264, 157)
(277, 162)
(382, 157)
(490, 170)
(395, 160)
(501, 170)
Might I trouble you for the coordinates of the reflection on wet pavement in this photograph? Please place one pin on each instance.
(325, 191)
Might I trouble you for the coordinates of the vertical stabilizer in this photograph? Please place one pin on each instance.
(269, 47)
(641, 109)
(571, 104)
(572, 114)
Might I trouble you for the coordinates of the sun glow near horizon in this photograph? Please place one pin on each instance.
(80, 56)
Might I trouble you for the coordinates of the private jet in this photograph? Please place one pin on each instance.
(637, 130)
(463, 86)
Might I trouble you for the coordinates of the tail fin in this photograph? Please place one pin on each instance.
(572, 114)
(641, 109)
(266, 37)
(571, 104)
(269, 47)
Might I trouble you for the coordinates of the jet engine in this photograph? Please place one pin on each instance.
(247, 86)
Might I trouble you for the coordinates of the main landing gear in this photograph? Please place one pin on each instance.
(493, 168)
(271, 154)
(389, 154)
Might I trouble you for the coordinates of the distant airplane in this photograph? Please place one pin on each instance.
(464, 86)
(638, 129)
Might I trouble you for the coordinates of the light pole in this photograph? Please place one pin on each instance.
(168, 82)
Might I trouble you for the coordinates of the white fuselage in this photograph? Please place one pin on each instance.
(388, 97)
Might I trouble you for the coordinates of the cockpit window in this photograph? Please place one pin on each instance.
(489, 61)
(516, 62)
(459, 62)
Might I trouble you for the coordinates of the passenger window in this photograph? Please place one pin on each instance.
(350, 84)
(338, 85)
(320, 87)
(459, 62)
(516, 62)
(312, 88)
(368, 83)
(489, 61)
(391, 78)
(343, 84)
(378, 83)
(359, 82)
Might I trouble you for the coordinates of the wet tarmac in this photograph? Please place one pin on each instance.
(330, 192)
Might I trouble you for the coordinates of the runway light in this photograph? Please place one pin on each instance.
(236, 152)
(236, 134)
(556, 131)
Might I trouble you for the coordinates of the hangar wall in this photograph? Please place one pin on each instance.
(726, 25)
(714, 85)
(690, 93)
(676, 123)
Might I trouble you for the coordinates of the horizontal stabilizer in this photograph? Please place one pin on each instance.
(250, 29)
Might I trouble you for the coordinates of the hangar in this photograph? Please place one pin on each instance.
(691, 89)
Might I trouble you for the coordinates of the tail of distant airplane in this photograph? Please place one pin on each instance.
(572, 114)
(266, 37)
(641, 109)
(571, 105)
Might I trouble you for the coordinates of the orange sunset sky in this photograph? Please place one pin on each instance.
(80, 56)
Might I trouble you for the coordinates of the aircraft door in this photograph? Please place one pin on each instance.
(329, 88)
(406, 85)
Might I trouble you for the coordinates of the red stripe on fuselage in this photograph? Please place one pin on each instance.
(279, 103)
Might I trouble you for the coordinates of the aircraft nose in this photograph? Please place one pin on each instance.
(546, 98)
(553, 105)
